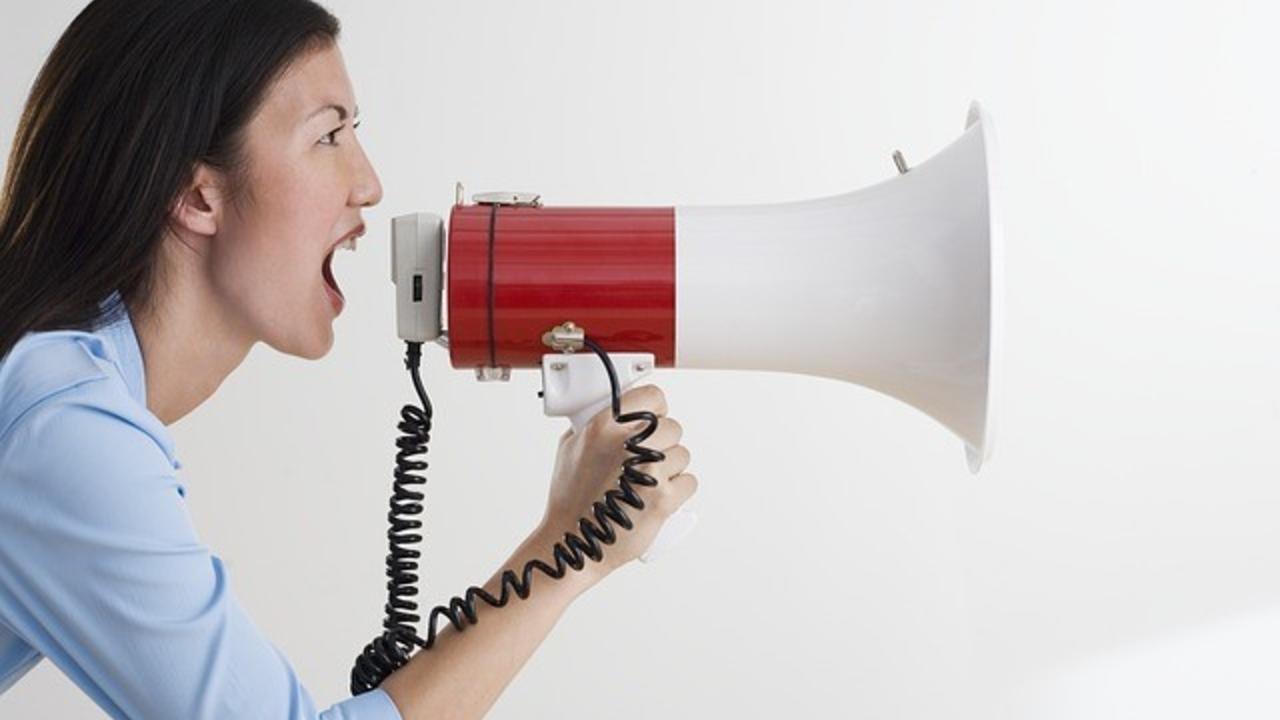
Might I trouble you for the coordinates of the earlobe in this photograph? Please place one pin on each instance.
(198, 208)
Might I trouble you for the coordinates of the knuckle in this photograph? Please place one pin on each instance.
(645, 398)
(682, 456)
(675, 428)
(675, 459)
(669, 500)
(688, 486)
(655, 399)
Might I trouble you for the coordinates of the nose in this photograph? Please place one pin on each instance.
(366, 190)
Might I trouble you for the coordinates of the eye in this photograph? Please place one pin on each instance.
(330, 138)
(332, 134)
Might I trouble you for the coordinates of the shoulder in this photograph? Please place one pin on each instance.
(62, 392)
(41, 365)
(81, 458)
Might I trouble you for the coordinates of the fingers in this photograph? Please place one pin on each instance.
(674, 485)
(682, 486)
(644, 397)
(676, 461)
(667, 435)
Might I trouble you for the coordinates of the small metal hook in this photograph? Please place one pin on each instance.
(901, 162)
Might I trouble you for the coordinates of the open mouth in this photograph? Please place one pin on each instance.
(334, 292)
(327, 272)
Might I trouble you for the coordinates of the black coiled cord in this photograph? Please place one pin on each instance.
(390, 651)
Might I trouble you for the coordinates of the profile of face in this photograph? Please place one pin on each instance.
(305, 181)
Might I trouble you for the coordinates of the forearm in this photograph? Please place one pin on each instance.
(464, 672)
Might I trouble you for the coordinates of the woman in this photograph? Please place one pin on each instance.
(180, 173)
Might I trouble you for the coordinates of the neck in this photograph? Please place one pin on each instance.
(188, 344)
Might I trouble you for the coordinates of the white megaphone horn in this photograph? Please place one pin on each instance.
(895, 287)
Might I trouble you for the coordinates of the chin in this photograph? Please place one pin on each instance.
(319, 349)
(317, 353)
(307, 347)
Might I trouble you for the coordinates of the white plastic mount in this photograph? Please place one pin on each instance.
(576, 386)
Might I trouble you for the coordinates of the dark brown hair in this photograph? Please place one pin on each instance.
(133, 95)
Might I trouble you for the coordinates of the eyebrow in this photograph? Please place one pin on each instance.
(340, 109)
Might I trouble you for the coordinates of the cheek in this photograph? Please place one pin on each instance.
(308, 215)
(245, 271)
(290, 238)
(270, 265)
(266, 259)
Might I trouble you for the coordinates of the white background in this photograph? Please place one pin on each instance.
(1116, 558)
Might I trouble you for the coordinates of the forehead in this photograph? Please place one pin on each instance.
(313, 80)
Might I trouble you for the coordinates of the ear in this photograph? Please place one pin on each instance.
(200, 206)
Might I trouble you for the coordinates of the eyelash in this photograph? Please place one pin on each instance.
(333, 133)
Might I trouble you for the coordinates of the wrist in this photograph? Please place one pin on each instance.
(541, 544)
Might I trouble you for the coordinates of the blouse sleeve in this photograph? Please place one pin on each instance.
(101, 571)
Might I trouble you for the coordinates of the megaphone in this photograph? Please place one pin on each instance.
(895, 287)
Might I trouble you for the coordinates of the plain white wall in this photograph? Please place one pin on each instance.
(1115, 559)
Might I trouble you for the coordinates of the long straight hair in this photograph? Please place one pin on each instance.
(133, 95)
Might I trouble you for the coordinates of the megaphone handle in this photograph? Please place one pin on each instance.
(676, 527)
(577, 385)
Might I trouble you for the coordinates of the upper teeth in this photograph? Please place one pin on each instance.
(349, 243)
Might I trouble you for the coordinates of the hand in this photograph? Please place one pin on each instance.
(589, 464)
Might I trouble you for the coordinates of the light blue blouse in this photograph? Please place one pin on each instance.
(101, 570)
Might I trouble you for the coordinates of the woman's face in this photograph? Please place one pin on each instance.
(304, 185)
